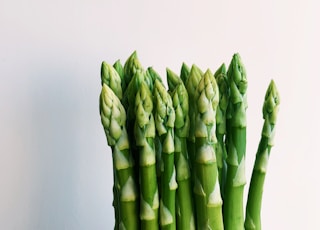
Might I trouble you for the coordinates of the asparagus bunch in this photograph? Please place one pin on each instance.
(179, 154)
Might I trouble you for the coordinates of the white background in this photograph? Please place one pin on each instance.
(55, 166)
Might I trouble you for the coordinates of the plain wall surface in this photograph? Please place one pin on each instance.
(55, 165)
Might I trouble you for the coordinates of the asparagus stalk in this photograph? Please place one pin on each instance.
(270, 110)
(144, 132)
(184, 198)
(191, 85)
(221, 152)
(110, 77)
(113, 118)
(206, 186)
(164, 120)
(236, 146)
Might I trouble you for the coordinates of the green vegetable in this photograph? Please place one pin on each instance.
(184, 197)
(191, 86)
(144, 132)
(236, 146)
(184, 72)
(179, 155)
(221, 130)
(164, 119)
(206, 185)
(111, 78)
(270, 111)
(113, 118)
(119, 68)
(131, 66)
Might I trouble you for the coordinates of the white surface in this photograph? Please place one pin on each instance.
(55, 170)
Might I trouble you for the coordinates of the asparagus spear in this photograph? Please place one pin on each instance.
(164, 120)
(144, 132)
(270, 110)
(110, 77)
(221, 152)
(184, 199)
(236, 146)
(206, 186)
(113, 119)
(191, 85)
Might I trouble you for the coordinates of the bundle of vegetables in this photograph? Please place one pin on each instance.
(179, 154)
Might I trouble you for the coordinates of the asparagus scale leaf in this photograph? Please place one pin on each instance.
(270, 111)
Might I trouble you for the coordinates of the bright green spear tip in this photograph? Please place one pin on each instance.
(110, 77)
(221, 70)
(194, 78)
(271, 103)
(172, 79)
(163, 102)
(180, 103)
(239, 75)
(131, 66)
(184, 72)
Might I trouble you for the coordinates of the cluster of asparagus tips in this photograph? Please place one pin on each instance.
(179, 154)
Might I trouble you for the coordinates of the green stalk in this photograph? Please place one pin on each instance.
(184, 197)
(221, 152)
(191, 85)
(236, 146)
(164, 120)
(113, 118)
(144, 132)
(270, 110)
(206, 186)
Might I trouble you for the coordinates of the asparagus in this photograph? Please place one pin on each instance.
(221, 152)
(144, 132)
(119, 68)
(236, 146)
(184, 72)
(184, 199)
(164, 120)
(111, 78)
(206, 186)
(131, 66)
(191, 85)
(113, 119)
(270, 110)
